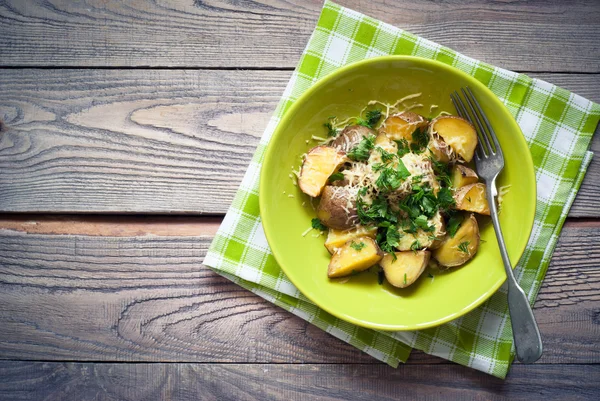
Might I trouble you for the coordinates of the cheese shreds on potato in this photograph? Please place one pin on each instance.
(394, 188)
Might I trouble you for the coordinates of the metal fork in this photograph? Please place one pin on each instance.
(490, 162)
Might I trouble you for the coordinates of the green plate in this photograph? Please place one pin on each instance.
(360, 299)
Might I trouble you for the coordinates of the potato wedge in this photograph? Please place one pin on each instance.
(337, 238)
(351, 136)
(402, 125)
(472, 199)
(406, 268)
(458, 133)
(354, 256)
(458, 250)
(424, 239)
(337, 208)
(439, 149)
(319, 164)
(462, 176)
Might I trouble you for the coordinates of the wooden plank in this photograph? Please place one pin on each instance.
(147, 298)
(148, 382)
(533, 36)
(156, 141)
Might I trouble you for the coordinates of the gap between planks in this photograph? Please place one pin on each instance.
(140, 225)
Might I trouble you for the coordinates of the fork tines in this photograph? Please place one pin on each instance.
(472, 111)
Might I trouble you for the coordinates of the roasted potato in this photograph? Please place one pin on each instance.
(337, 208)
(463, 176)
(351, 136)
(406, 268)
(354, 256)
(424, 239)
(458, 250)
(472, 199)
(337, 238)
(319, 164)
(439, 149)
(402, 125)
(458, 133)
(385, 143)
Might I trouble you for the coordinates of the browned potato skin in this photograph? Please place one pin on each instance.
(448, 254)
(412, 264)
(472, 198)
(347, 260)
(331, 210)
(463, 176)
(320, 162)
(351, 136)
(402, 125)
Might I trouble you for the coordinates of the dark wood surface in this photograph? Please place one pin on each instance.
(536, 35)
(148, 298)
(259, 382)
(176, 141)
(125, 109)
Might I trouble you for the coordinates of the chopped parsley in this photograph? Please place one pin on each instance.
(336, 177)
(445, 200)
(388, 238)
(415, 245)
(317, 225)
(403, 147)
(373, 117)
(420, 140)
(454, 223)
(331, 130)
(362, 151)
(358, 246)
(404, 278)
(442, 172)
(391, 178)
(422, 223)
(464, 247)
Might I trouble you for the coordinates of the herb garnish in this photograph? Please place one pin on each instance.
(415, 245)
(331, 130)
(403, 147)
(317, 225)
(362, 151)
(372, 118)
(336, 177)
(358, 246)
(420, 139)
(464, 247)
(454, 224)
(404, 278)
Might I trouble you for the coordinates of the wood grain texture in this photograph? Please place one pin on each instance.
(156, 141)
(68, 297)
(537, 35)
(158, 382)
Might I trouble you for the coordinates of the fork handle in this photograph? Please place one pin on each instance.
(528, 342)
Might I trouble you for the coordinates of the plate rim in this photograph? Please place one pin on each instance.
(278, 131)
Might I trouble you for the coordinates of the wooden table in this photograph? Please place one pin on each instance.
(127, 126)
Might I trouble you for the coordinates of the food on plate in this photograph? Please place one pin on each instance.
(401, 269)
(401, 125)
(471, 198)
(458, 133)
(337, 208)
(320, 162)
(395, 189)
(351, 136)
(354, 256)
(337, 238)
(463, 176)
(457, 250)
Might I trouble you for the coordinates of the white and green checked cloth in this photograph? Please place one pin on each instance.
(558, 126)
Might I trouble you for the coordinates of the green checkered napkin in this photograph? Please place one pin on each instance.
(558, 126)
